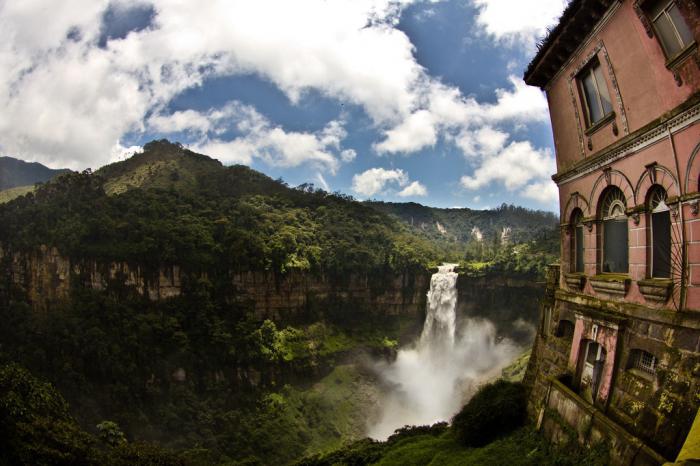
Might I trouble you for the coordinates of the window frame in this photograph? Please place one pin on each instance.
(576, 224)
(656, 207)
(609, 213)
(642, 362)
(589, 71)
(661, 37)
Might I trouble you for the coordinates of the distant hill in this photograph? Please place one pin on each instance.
(515, 224)
(15, 173)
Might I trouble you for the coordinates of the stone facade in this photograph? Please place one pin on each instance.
(620, 328)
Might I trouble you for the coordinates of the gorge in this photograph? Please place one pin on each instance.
(433, 377)
(216, 315)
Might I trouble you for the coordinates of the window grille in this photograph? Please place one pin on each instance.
(644, 361)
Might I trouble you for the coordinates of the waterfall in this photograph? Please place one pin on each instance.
(431, 379)
(439, 327)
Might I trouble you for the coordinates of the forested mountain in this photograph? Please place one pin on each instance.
(206, 372)
(15, 173)
(462, 225)
(171, 206)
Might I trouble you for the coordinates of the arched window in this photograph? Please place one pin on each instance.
(660, 233)
(615, 240)
(642, 360)
(577, 241)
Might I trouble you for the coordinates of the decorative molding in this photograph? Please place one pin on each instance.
(677, 77)
(674, 210)
(584, 43)
(618, 95)
(635, 217)
(575, 281)
(610, 286)
(607, 172)
(643, 18)
(651, 136)
(694, 208)
(600, 47)
(579, 127)
(656, 290)
(651, 171)
(572, 84)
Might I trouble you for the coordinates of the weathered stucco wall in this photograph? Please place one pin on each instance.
(655, 408)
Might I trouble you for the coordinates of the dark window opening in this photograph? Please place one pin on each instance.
(565, 329)
(660, 234)
(577, 250)
(615, 238)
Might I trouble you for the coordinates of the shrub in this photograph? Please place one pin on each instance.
(496, 410)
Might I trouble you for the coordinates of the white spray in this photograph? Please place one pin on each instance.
(430, 380)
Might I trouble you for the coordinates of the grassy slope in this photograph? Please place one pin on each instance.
(523, 447)
(9, 194)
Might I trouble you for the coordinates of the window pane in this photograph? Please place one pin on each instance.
(667, 35)
(661, 237)
(579, 249)
(594, 111)
(681, 26)
(603, 89)
(615, 254)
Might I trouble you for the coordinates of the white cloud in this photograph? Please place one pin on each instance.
(484, 141)
(120, 153)
(518, 22)
(373, 181)
(545, 192)
(414, 133)
(67, 101)
(259, 138)
(413, 189)
(348, 155)
(515, 166)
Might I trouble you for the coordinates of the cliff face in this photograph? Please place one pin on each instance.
(511, 304)
(46, 277)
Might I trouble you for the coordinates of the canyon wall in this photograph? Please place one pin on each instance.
(46, 278)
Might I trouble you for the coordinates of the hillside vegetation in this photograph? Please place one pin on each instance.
(199, 374)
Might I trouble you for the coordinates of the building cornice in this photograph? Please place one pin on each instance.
(681, 117)
(575, 24)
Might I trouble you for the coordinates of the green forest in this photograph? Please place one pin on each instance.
(111, 377)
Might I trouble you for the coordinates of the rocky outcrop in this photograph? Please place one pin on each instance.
(46, 277)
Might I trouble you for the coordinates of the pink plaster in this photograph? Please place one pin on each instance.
(576, 344)
(607, 337)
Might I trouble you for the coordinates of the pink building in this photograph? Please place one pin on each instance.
(620, 333)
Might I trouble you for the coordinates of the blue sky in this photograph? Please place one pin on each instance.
(395, 100)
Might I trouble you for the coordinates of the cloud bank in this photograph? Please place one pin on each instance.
(72, 92)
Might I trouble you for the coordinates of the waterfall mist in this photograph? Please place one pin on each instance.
(430, 380)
